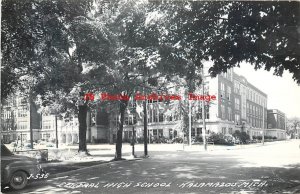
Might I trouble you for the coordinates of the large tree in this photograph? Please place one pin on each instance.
(265, 34)
(67, 46)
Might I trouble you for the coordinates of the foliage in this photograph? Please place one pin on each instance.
(60, 49)
(293, 124)
(219, 138)
(242, 136)
(35, 33)
(261, 33)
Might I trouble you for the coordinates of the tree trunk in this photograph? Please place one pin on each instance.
(82, 114)
(118, 156)
(89, 130)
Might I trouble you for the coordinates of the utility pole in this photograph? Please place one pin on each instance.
(263, 125)
(56, 135)
(30, 121)
(133, 141)
(145, 128)
(190, 123)
(203, 113)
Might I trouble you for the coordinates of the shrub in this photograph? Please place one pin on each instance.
(242, 136)
(140, 139)
(177, 140)
(220, 139)
(197, 139)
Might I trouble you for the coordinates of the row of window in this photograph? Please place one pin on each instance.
(224, 130)
(254, 110)
(227, 74)
(225, 94)
(254, 122)
(256, 98)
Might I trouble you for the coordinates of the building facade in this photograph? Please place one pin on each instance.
(18, 116)
(276, 124)
(238, 105)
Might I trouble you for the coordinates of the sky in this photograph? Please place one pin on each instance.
(283, 92)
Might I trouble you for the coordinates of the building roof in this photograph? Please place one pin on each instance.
(243, 80)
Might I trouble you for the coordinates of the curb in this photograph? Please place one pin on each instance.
(85, 168)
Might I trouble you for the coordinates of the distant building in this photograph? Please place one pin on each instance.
(18, 115)
(276, 124)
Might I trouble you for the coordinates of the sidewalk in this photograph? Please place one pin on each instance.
(106, 152)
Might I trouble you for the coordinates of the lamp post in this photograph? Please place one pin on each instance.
(203, 113)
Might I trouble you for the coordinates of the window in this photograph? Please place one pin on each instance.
(224, 130)
(247, 93)
(160, 133)
(222, 111)
(228, 92)
(199, 115)
(207, 115)
(5, 151)
(236, 87)
(22, 112)
(193, 132)
(248, 111)
(126, 120)
(229, 74)
(155, 115)
(46, 136)
(199, 131)
(229, 114)
(161, 117)
(222, 90)
(230, 130)
(237, 103)
(237, 119)
(22, 125)
(46, 125)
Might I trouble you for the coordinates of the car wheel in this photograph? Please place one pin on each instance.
(18, 180)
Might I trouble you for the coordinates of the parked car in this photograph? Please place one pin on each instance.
(237, 141)
(177, 140)
(50, 144)
(16, 169)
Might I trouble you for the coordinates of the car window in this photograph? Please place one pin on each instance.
(5, 151)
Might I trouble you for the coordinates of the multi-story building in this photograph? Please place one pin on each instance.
(18, 116)
(239, 105)
(276, 124)
(253, 106)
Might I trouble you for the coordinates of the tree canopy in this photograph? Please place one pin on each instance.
(62, 48)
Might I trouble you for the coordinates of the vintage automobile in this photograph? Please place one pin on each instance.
(16, 169)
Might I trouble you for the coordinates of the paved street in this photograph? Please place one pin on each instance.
(273, 168)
